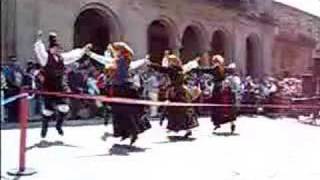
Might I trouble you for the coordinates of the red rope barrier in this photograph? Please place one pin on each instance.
(159, 103)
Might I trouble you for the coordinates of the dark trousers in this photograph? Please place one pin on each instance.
(13, 107)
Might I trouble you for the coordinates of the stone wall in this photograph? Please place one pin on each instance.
(297, 34)
(134, 17)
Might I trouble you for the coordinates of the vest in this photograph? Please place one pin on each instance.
(53, 74)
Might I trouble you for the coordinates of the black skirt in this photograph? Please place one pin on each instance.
(128, 119)
(181, 118)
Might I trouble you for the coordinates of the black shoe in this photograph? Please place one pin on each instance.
(134, 138)
(44, 128)
(60, 131)
(44, 132)
(124, 137)
(188, 134)
(233, 128)
(217, 127)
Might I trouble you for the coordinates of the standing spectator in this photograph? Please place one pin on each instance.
(76, 84)
(14, 77)
(151, 88)
(3, 87)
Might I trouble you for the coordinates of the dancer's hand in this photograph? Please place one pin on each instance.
(39, 34)
(88, 47)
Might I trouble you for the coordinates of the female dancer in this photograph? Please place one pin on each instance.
(127, 119)
(179, 118)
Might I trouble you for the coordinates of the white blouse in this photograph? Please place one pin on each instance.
(68, 57)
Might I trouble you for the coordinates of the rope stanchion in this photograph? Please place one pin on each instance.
(23, 116)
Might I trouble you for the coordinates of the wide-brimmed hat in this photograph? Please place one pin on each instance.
(124, 46)
(174, 59)
(218, 58)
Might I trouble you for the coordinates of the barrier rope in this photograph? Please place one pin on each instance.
(167, 103)
(13, 98)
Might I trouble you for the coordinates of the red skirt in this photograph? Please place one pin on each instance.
(222, 115)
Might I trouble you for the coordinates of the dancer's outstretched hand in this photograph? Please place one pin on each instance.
(39, 34)
(88, 47)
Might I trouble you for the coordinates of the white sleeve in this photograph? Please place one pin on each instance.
(138, 63)
(107, 59)
(165, 62)
(41, 52)
(72, 56)
(190, 65)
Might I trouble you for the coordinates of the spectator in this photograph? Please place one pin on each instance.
(76, 84)
(14, 78)
(3, 88)
(151, 89)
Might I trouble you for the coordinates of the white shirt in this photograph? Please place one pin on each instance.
(68, 57)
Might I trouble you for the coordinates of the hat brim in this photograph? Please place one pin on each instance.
(125, 46)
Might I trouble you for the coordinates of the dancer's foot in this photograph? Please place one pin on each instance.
(124, 137)
(233, 128)
(44, 132)
(188, 134)
(60, 131)
(216, 127)
(134, 138)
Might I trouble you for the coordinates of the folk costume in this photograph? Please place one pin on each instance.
(128, 119)
(223, 94)
(179, 118)
(53, 63)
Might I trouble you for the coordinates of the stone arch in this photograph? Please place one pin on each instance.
(253, 55)
(97, 24)
(193, 42)
(220, 44)
(162, 35)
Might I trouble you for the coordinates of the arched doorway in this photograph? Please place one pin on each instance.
(159, 39)
(219, 43)
(253, 56)
(191, 43)
(96, 25)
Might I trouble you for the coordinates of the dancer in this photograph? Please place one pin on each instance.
(127, 119)
(179, 118)
(222, 94)
(53, 62)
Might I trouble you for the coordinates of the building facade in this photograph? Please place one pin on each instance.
(244, 31)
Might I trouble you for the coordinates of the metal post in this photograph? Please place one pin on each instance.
(23, 117)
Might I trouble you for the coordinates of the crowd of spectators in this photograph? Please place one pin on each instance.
(86, 77)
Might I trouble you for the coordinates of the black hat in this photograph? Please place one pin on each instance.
(12, 58)
(53, 42)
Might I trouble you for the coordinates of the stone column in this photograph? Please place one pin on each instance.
(8, 28)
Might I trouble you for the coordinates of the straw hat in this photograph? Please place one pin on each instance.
(173, 59)
(124, 46)
(218, 58)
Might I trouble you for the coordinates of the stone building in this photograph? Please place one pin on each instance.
(297, 33)
(244, 31)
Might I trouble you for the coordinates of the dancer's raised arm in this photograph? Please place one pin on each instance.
(74, 55)
(40, 50)
(105, 60)
(191, 65)
(139, 63)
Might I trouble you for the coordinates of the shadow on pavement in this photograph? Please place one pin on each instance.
(225, 134)
(175, 139)
(119, 150)
(47, 144)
